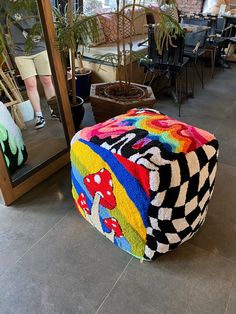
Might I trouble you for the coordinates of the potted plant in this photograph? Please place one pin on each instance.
(110, 99)
(72, 32)
(66, 39)
(31, 35)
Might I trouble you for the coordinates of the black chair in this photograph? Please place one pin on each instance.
(169, 63)
(195, 44)
(220, 39)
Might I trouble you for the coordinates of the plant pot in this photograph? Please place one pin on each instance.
(26, 110)
(83, 84)
(77, 112)
(105, 108)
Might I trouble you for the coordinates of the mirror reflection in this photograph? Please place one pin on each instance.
(31, 131)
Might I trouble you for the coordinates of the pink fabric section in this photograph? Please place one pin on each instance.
(179, 135)
(105, 129)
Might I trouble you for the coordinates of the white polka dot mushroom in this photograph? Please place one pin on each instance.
(100, 187)
(113, 228)
(82, 202)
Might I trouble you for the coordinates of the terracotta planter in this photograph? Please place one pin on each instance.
(105, 108)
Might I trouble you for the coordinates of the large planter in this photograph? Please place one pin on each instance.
(83, 84)
(105, 108)
(77, 111)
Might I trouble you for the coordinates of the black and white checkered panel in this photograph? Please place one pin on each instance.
(179, 204)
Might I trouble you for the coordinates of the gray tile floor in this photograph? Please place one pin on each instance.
(52, 261)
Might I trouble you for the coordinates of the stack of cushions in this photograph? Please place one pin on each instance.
(11, 141)
(144, 180)
(106, 24)
(107, 27)
(104, 43)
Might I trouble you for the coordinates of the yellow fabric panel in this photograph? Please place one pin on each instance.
(94, 163)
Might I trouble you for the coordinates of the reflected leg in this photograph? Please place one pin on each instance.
(49, 91)
(26, 67)
(32, 92)
(44, 71)
(48, 87)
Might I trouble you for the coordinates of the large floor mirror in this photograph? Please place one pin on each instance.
(31, 148)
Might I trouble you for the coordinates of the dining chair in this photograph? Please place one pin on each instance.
(195, 47)
(170, 64)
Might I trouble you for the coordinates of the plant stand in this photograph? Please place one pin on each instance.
(105, 108)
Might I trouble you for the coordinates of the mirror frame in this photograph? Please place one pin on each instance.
(8, 190)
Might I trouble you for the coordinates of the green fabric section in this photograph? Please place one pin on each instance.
(16, 144)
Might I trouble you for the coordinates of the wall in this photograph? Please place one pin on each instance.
(193, 6)
(190, 6)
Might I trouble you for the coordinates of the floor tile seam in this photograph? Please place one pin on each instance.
(32, 246)
(114, 285)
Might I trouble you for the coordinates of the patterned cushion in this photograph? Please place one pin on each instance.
(126, 26)
(109, 26)
(94, 38)
(147, 182)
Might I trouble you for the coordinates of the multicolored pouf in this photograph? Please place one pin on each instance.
(144, 180)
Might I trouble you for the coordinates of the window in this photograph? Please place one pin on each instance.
(93, 6)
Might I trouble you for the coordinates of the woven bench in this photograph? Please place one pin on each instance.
(144, 180)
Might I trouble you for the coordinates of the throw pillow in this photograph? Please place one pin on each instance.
(125, 25)
(94, 35)
(109, 26)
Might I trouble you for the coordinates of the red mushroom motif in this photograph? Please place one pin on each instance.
(100, 183)
(82, 202)
(100, 187)
(113, 225)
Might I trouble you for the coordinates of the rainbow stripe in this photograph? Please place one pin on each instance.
(176, 136)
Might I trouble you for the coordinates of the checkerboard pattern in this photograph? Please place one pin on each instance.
(179, 207)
